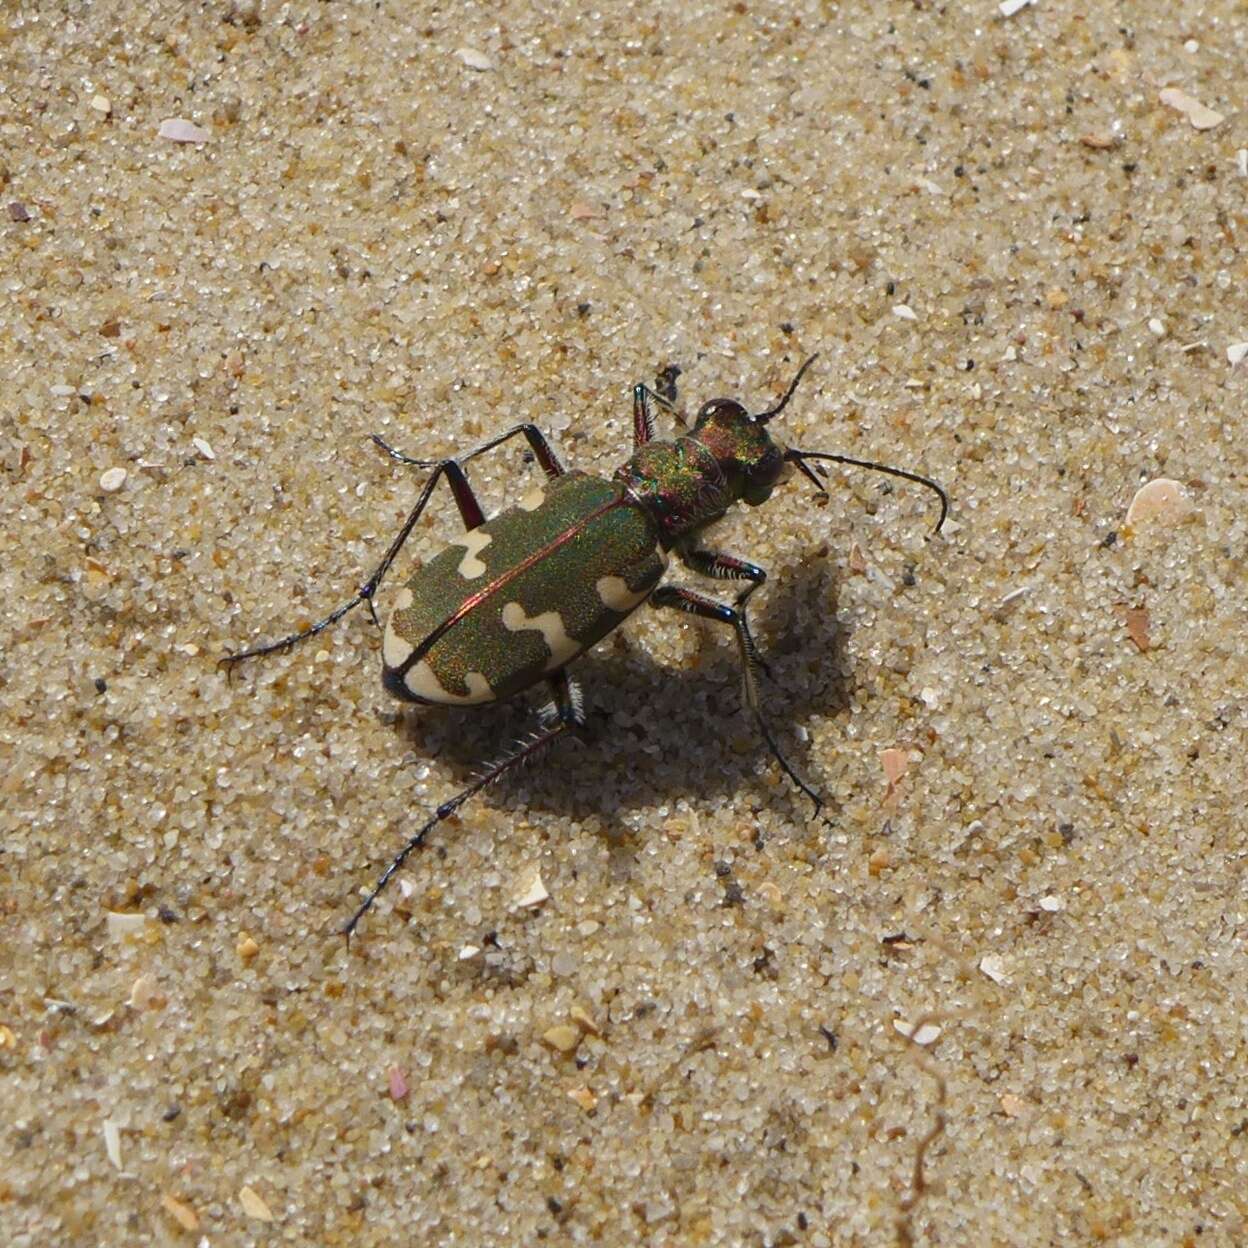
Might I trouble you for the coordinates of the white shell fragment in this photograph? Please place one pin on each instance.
(927, 1033)
(1051, 904)
(101, 104)
(1237, 353)
(1160, 499)
(204, 447)
(179, 130)
(112, 1141)
(474, 59)
(532, 891)
(1010, 7)
(122, 925)
(1202, 118)
(112, 479)
(253, 1205)
(993, 965)
(906, 312)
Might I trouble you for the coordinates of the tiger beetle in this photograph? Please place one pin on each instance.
(513, 600)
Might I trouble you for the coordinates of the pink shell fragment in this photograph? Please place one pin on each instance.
(1201, 117)
(895, 763)
(398, 1083)
(1160, 499)
(179, 130)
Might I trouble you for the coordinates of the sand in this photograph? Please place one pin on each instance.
(239, 238)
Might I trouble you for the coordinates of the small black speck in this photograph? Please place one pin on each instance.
(554, 1206)
(907, 577)
(165, 915)
(925, 84)
(171, 1113)
(723, 869)
(959, 171)
(969, 366)
(802, 1222)
(101, 685)
(1130, 167)
(830, 1036)
(1066, 831)
(786, 327)
(698, 223)
(890, 288)
(734, 895)
(582, 309)
(1110, 539)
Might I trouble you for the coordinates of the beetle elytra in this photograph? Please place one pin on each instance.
(513, 600)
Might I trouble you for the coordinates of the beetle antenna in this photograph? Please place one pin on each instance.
(763, 417)
(799, 458)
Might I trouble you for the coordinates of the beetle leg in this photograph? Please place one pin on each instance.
(719, 567)
(665, 396)
(693, 603)
(468, 508)
(568, 712)
(543, 452)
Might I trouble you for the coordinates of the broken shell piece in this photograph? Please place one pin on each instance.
(1237, 353)
(532, 891)
(925, 1034)
(584, 1098)
(895, 763)
(1161, 499)
(474, 59)
(564, 1037)
(112, 1141)
(993, 965)
(1012, 1106)
(1201, 117)
(253, 1205)
(122, 925)
(112, 479)
(578, 1014)
(179, 130)
(181, 1213)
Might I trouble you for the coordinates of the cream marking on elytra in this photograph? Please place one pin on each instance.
(394, 649)
(615, 593)
(550, 625)
(533, 499)
(423, 682)
(474, 542)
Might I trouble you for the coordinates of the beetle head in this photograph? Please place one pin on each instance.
(743, 446)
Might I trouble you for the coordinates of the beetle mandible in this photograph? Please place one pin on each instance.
(513, 600)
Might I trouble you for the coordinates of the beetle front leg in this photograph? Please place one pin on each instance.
(665, 396)
(565, 712)
(693, 603)
(468, 507)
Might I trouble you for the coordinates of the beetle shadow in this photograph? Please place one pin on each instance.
(656, 733)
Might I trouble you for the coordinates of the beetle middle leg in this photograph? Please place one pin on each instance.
(543, 452)
(565, 711)
(690, 601)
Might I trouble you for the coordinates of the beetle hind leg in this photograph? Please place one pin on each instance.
(468, 508)
(566, 711)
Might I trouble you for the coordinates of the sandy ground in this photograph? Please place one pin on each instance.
(1023, 269)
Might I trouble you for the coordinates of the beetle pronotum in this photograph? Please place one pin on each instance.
(512, 601)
